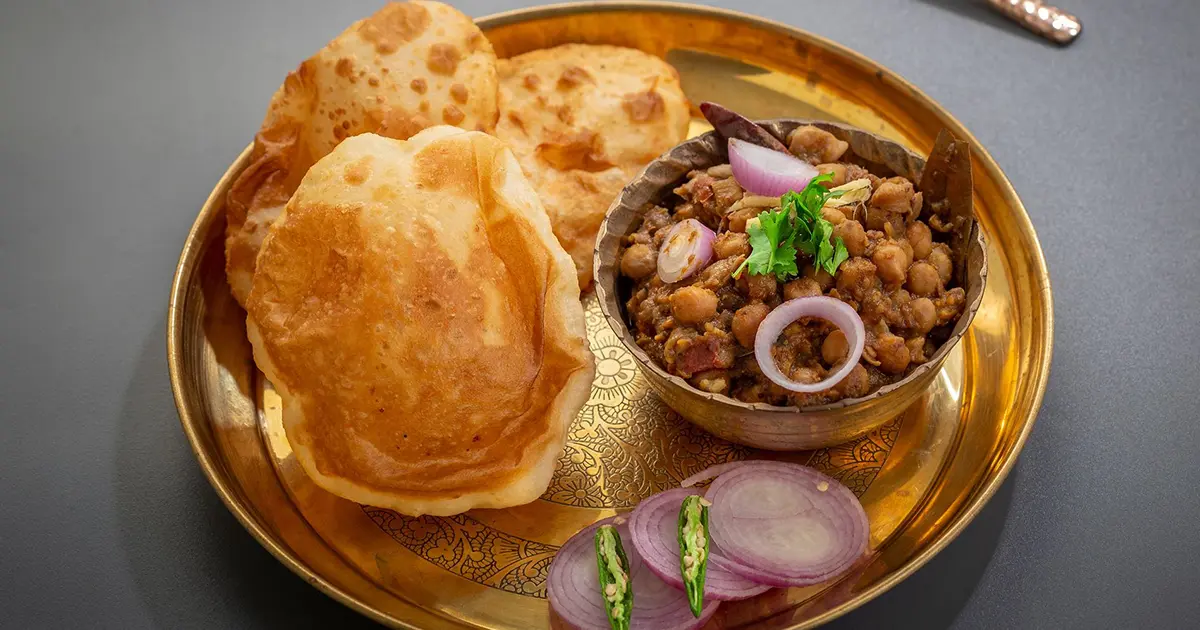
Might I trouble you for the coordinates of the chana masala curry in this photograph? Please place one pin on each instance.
(851, 233)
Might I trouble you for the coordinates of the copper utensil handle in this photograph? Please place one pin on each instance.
(1046, 20)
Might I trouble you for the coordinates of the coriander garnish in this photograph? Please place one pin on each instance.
(797, 226)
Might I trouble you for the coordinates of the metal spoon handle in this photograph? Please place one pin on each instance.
(1044, 19)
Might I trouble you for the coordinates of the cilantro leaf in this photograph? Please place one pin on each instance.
(761, 249)
(771, 246)
(785, 261)
(816, 236)
(840, 255)
(778, 236)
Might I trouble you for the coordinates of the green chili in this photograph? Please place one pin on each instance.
(615, 587)
(693, 549)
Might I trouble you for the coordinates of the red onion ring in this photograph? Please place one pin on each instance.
(829, 309)
(685, 250)
(573, 588)
(784, 524)
(764, 171)
(712, 472)
(654, 531)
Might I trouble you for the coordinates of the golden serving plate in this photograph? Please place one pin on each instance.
(921, 477)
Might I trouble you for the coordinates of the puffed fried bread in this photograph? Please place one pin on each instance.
(583, 120)
(409, 66)
(422, 325)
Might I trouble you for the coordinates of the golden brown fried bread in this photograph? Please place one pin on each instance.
(410, 66)
(583, 120)
(421, 324)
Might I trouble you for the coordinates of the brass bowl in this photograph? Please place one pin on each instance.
(761, 425)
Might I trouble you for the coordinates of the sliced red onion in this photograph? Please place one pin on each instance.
(731, 124)
(764, 171)
(654, 531)
(573, 587)
(829, 309)
(785, 524)
(712, 472)
(686, 250)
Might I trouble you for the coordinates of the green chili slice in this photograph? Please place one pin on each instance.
(693, 549)
(615, 587)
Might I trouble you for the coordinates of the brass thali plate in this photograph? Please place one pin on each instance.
(921, 477)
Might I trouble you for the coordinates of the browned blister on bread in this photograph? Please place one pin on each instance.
(583, 120)
(409, 66)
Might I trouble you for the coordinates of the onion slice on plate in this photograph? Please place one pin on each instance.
(685, 250)
(764, 171)
(712, 472)
(653, 529)
(829, 309)
(573, 588)
(785, 524)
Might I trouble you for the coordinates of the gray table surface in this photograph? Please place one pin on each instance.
(117, 117)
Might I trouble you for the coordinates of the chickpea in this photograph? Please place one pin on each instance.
(940, 258)
(907, 247)
(855, 277)
(876, 218)
(893, 195)
(853, 235)
(888, 223)
(891, 353)
(815, 145)
(857, 383)
(832, 215)
(805, 375)
(834, 348)
(891, 262)
(923, 278)
(639, 261)
(801, 287)
(837, 170)
(916, 349)
(924, 314)
(921, 239)
(757, 287)
(746, 321)
(849, 211)
(824, 280)
(730, 244)
(693, 305)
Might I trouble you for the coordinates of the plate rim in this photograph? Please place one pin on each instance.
(190, 254)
